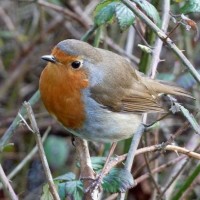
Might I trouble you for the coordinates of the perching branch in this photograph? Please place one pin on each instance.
(36, 132)
(87, 173)
(132, 151)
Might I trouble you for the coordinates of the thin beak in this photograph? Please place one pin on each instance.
(49, 58)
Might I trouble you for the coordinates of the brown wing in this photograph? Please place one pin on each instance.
(147, 96)
(140, 104)
(143, 97)
(124, 89)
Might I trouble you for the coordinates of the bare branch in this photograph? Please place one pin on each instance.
(87, 173)
(6, 185)
(36, 132)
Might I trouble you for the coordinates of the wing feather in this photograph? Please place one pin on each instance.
(121, 88)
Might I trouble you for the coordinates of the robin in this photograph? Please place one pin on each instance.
(96, 94)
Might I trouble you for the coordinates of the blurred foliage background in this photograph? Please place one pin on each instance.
(28, 30)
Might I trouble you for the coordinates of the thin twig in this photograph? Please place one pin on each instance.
(132, 151)
(143, 164)
(76, 8)
(159, 147)
(25, 122)
(6, 185)
(183, 128)
(177, 174)
(86, 36)
(64, 11)
(193, 143)
(159, 169)
(9, 132)
(174, 148)
(28, 157)
(115, 161)
(9, 24)
(192, 176)
(156, 170)
(173, 178)
(36, 132)
(151, 175)
(141, 37)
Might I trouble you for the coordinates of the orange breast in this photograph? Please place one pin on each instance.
(60, 89)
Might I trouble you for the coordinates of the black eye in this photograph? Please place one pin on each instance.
(76, 64)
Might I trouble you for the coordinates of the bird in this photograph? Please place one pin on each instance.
(97, 94)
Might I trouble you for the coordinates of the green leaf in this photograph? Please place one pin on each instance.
(190, 6)
(144, 48)
(102, 5)
(66, 177)
(72, 189)
(69, 187)
(124, 15)
(104, 12)
(9, 147)
(46, 194)
(187, 183)
(98, 163)
(56, 147)
(118, 180)
(149, 9)
(61, 191)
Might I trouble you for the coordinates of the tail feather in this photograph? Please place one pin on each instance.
(166, 88)
(173, 90)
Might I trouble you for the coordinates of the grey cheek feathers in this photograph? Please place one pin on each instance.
(95, 73)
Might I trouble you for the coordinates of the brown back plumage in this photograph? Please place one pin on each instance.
(147, 97)
(125, 89)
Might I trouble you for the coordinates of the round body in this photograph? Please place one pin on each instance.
(96, 94)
